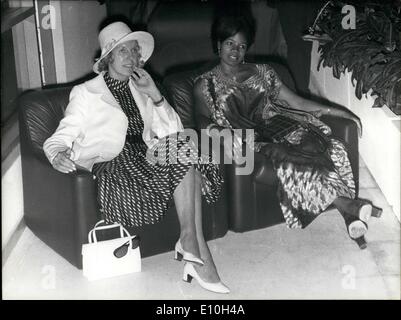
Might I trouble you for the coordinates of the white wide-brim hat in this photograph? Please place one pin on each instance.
(117, 33)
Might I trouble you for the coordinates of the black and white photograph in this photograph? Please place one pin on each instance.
(198, 154)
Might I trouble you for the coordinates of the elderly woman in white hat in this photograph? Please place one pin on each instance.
(111, 124)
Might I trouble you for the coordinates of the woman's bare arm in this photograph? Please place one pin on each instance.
(297, 102)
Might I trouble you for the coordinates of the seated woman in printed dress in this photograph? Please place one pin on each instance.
(116, 125)
(239, 95)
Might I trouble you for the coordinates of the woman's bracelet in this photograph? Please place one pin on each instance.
(158, 103)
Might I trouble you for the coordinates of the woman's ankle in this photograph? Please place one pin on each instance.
(341, 202)
(189, 243)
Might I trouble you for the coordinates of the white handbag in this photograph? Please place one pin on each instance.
(109, 258)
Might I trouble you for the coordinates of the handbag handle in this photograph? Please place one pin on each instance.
(92, 234)
(96, 227)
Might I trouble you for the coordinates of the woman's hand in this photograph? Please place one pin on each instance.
(145, 84)
(63, 163)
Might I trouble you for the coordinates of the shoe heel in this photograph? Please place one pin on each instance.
(357, 229)
(187, 278)
(376, 212)
(178, 256)
(361, 242)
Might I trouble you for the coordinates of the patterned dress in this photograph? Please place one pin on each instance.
(304, 190)
(134, 190)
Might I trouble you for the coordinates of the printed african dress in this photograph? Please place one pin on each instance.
(136, 188)
(304, 191)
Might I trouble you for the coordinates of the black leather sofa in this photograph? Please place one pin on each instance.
(180, 54)
(252, 201)
(61, 208)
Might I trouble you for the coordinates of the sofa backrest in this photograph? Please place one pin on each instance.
(182, 32)
(40, 113)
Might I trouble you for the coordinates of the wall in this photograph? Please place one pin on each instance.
(26, 47)
(12, 208)
(75, 37)
(295, 17)
(27, 71)
(379, 146)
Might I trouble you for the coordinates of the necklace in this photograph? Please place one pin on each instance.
(223, 75)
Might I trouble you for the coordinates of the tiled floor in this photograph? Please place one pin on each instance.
(320, 262)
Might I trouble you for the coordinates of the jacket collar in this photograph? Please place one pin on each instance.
(98, 86)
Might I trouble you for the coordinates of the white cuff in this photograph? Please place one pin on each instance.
(52, 149)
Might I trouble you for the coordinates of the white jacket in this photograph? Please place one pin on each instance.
(95, 126)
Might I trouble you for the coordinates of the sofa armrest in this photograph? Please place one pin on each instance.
(59, 208)
(344, 129)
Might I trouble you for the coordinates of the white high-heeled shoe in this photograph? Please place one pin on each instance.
(190, 272)
(180, 254)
